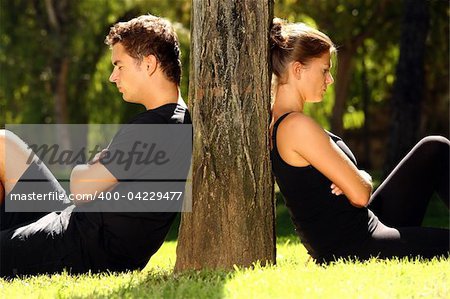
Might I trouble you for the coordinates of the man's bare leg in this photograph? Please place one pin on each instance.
(13, 166)
(2, 194)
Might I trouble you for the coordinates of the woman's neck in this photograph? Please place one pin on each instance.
(287, 99)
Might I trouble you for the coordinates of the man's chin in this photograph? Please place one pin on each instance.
(128, 100)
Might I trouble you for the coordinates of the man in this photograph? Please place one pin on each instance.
(147, 71)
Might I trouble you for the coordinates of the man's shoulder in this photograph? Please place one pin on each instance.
(167, 114)
(148, 117)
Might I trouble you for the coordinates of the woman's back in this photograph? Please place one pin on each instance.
(324, 221)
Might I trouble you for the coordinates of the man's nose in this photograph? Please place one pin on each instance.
(113, 77)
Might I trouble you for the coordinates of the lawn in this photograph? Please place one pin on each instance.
(292, 277)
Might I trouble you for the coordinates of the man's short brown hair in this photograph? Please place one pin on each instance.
(149, 35)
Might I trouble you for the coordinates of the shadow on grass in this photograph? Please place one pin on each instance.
(437, 215)
(189, 284)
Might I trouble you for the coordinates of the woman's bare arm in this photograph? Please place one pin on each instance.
(300, 134)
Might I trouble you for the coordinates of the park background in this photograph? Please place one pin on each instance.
(54, 68)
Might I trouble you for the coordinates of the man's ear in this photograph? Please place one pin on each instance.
(150, 63)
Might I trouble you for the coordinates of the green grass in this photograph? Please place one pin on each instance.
(293, 276)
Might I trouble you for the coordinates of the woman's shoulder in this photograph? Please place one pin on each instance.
(299, 123)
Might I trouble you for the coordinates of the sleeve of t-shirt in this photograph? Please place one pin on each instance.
(128, 148)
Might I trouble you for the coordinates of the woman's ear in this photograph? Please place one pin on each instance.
(297, 68)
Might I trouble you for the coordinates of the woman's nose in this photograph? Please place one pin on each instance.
(330, 79)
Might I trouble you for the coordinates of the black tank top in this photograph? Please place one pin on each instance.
(327, 224)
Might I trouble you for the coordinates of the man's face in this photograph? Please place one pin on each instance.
(129, 77)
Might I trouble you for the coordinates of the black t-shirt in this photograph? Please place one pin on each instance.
(326, 223)
(126, 240)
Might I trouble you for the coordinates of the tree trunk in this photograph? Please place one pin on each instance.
(365, 94)
(60, 92)
(343, 76)
(233, 209)
(409, 84)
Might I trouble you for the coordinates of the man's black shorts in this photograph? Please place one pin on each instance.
(38, 242)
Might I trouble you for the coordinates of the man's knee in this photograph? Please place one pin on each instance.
(2, 141)
(7, 136)
(11, 141)
(2, 135)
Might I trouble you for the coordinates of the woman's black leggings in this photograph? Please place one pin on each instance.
(401, 201)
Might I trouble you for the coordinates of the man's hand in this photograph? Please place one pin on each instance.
(98, 156)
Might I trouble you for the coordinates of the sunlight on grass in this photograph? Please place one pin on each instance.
(165, 257)
(293, 277)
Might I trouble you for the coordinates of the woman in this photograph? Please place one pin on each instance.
(329, 198)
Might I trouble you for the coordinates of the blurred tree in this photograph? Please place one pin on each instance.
(51, 51)
(373, 68)
(232, 219)
(435, 106)
(349, 24)
(50, 54)
(409, 85)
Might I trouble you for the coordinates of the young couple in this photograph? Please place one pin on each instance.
(330, 199)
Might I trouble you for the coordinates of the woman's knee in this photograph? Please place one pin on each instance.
(435, 139)
(436, 147)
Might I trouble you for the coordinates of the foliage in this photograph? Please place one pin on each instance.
(344, 22)
(349, 24)
(29, 48)
(33, 47)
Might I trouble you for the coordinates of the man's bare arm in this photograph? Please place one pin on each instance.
(89, 179)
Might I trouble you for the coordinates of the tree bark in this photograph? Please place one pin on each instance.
(233, 209)
(409, 84)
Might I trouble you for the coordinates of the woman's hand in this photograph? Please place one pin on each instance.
(337, 191)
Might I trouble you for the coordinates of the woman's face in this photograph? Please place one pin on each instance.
(314, 78)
